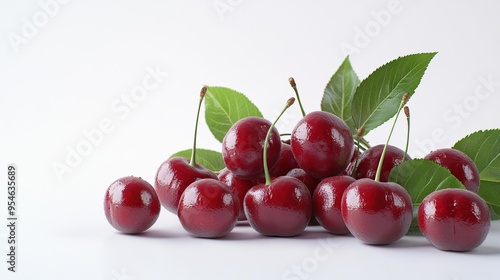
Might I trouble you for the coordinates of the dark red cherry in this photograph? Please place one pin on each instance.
(173, 177)
(327, 200)
(208, 208)
(376, 212)
(243, 145)
(368, 162)
(285, 163)
(322, 144)
(310, 181)
(459, 164)
(282, 208)
(454, 219)
(239, 186)
(131, 205)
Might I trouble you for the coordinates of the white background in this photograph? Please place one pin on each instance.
(67, 67)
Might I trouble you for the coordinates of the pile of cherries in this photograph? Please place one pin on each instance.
(317, 176)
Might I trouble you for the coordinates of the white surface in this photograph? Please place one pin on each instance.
(77, 70)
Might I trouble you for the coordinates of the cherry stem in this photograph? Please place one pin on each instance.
(268, 135)
(406, 109)
(379, 168)
(294, 86)
(193, 152)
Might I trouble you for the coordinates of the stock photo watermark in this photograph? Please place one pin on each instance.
(30, 27)
(365, 34)
(223, 7)
(121, 275)
(310, 264)
(12, 222)
(455, 116)
(121, 108)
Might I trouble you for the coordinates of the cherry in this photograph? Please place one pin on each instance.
(208, 208)
(176, 173)
(322, 144)
(377, 212)
(243, 144)
(310, 181)
(281, 207)
(454, 219)
(286, 162)
(239, 186)
(131, 205)
(459, 164)
(369, 159)
(327, 200)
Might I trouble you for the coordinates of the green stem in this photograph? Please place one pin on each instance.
(407, 114)
(294, 86)
(268, 135)
(379, 168)
(192, 162)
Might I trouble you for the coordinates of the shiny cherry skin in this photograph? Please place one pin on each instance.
(368, 162)
(173, 177)
(376, 213)
(285, 163)
(310, 181)
(208, 209)
(240, 187)
(131, 205)
(283, 208)
(454, 219)
(459, 164)
(322, 144)
(327, 200)
(243, 146)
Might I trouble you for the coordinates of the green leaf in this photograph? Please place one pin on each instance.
(377, 98)
(483, 147)
(207, 158)
(224, 107)
(494, 212)
(420, 177)
(338, 94)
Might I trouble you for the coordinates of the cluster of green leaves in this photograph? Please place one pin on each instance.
(365, 105)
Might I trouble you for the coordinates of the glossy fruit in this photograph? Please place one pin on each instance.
(310, 181)
(243, 145)
(285, 163)
(322, 144)
(454, 219)
(131, 205)
(327, 200)
(239, 186)
(208, 208)
(368, 162)
(376, 213)
(173, 177)
(282, 208)
(459, 164)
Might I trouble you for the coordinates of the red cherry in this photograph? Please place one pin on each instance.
(454, 219)
(282, 208)
(459, 164)
(243, 145)
(368, 162)
(208, 208)
(310, 181)
(173, 177)
(322, 144)
(131, 205)
(327, 200)
(285, 163)
(376, 212)
(239, 186)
